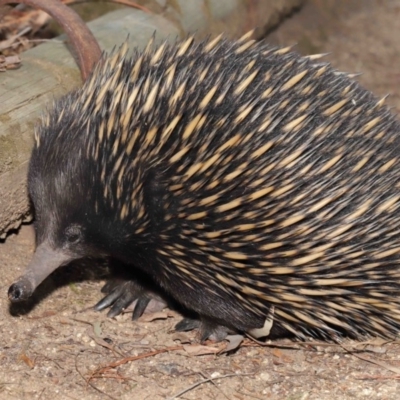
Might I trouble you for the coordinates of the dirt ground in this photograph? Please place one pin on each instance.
(57, 347)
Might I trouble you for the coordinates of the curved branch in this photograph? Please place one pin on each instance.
(83, 42)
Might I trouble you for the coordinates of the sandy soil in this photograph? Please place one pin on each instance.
(57, 347)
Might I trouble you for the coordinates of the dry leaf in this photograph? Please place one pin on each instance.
(46, 314)
(10, 62)
(154, 316)
(28, 361)
(234, 343)
(199, 350)
(181, 337)
(277, 353)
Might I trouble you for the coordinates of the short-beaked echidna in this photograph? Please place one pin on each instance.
(248, 182)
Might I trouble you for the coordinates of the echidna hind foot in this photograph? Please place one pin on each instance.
(207, 330)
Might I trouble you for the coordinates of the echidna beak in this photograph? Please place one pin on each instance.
(44, 262)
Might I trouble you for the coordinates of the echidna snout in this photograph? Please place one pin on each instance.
(44, 262)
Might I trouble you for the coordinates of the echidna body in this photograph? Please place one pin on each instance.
(245, 180)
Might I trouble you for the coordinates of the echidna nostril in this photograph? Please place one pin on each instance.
(15, 293)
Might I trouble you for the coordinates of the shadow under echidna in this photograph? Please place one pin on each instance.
(249, 185)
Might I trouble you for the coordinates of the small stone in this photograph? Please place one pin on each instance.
(265, 376)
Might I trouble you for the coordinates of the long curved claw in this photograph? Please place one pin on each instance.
(140, 307)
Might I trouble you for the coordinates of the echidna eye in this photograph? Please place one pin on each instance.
(73, 234)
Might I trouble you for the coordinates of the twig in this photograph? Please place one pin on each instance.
(83, 42)
(6, 44)
(40, 395)
(89, 383)
(215, 385)
(102, 370)
(123, 2)
(376, 362)
(202, 382)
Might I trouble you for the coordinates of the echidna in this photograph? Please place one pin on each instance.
(247, 182)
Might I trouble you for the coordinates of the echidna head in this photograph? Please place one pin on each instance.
(66, 223)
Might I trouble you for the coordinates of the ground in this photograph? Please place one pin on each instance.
(58, 347)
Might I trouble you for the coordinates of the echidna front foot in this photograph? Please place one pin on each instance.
(121, 294)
